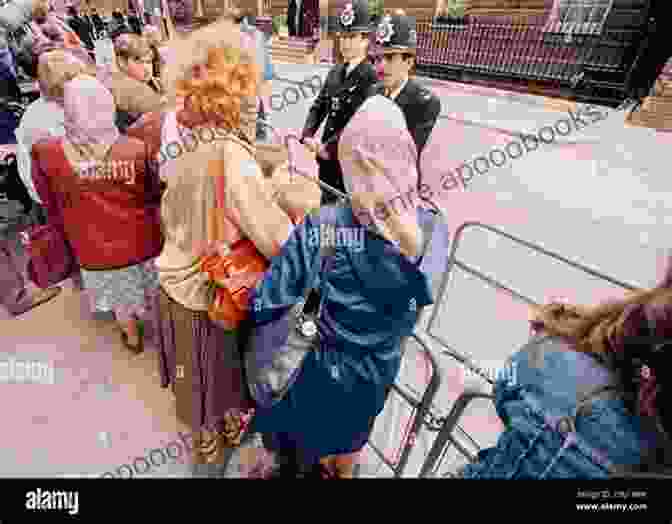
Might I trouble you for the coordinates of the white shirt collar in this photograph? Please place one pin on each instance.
(399, 89)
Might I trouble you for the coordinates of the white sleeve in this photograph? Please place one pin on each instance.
(13, 15)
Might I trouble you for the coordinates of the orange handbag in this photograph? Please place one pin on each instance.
(234, 274)
(233, 277)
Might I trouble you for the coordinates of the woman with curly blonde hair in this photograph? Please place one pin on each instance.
(590, 394)
(208, 140)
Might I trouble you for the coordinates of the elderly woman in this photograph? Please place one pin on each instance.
(45, 117)
(110, 197)
(209, 141)
(134, 88)
(370, 291)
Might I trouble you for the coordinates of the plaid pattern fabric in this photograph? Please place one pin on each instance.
(578, 16)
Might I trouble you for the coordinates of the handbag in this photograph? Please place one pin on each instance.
(232, 274)
(276, 350)
(50, 258)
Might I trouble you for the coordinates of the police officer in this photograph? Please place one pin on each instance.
(397, 44)
(344, 90)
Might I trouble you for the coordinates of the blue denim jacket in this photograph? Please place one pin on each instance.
(546, 381)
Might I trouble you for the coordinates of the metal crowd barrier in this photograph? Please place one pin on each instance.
(420, 411)
(446, 426)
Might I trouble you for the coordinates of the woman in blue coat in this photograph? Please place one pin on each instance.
(371, 289)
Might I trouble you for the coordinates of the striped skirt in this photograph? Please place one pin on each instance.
(203, 364)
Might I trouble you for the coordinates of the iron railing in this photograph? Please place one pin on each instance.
(590, 65)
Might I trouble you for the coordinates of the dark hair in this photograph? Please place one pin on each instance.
(72, 11)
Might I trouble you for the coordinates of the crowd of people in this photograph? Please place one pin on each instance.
(590, 395)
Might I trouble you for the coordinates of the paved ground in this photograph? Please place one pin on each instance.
(601, 197)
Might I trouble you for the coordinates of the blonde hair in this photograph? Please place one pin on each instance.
(232, 75)
(56, 68)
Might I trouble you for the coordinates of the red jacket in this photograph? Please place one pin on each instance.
(111, 217)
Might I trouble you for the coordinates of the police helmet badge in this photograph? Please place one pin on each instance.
(385, 31)
(348, 15)
(354, 18)
(397, 33)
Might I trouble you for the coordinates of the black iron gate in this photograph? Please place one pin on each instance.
(588, 65)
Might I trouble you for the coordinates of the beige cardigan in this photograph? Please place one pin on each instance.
(188, 208)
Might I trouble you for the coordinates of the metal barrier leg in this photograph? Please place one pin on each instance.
(448, 427)
(422, 409)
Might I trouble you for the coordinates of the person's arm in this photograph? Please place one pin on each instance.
(44, 187)
(261, 218)
(318, 111)
(15, 14)
(290, 274)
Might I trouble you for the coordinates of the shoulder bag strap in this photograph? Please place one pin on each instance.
(427, 232)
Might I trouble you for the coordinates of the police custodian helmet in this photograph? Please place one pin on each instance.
(396, 33)
(353, 18)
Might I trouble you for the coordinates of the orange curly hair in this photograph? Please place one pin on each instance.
(223, 90)
(228, 79)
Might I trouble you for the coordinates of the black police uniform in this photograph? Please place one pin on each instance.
(420, 106)
(82, 27)
(338, 100)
